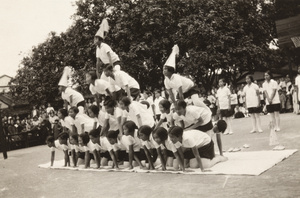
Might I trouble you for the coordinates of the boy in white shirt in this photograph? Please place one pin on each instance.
(124, 81)
(185, 87)
(136, 112)
(193, 117)
(194, 144)
(61, 144)
(105, 54)
(82, 122)
(224, 104)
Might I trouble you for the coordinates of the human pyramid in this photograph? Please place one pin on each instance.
(123, 130)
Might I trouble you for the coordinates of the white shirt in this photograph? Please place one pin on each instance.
(193, 113)
(100, 87)
(113, 119)
(105, 145)
(101, 52)
(193, 138)
(233, 99)
(169, 117)
(268, 87)
(241, 96)
(150, 144)
(119, 146)
(128, 140)
(251, 95)
(297, 83)
(222, 95)
(86, 120)
(156, 104)
(167, 145)
(68, 122)
(122, 79)
(136, 108)
(58, 146)
(76, 96)
(177, 81)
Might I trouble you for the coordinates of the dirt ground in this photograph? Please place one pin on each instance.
(21, 177)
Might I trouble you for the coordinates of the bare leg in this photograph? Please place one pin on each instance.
(258, 122)
(277, 121)
(207, 163)
(229, 125)
(197, 102)
(253, 120)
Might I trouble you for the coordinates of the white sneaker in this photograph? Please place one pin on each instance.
(226, 133)
(277, 129)
(279, 148)
(230, 133)
(253, 131)
(260, 131)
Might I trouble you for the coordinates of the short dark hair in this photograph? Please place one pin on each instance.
(94, 109)
(112, 134)
(63, 136)
(176, 131)
(170, 69)
(222, 126)
(269, 73)
(94, 133)
(180, 103)
(63, 112)
(130, 125)
(50, 139)
(165, 104)
(126, 101)
(162, 133)
(109, 68)
(251, 77)
(93, 74)
(145, 129)
(110, 103)
(74, 136)
(85, 138)
(75, 109)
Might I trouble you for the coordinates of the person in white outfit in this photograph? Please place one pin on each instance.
(252, 97)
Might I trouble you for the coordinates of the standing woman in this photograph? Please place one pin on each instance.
(270, 88)
(252, 97)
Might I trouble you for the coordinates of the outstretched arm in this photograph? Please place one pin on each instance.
(219, 142)
(198, 158)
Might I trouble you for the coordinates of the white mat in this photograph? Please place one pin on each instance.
(239, 163)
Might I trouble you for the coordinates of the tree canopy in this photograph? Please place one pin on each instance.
(213, 35)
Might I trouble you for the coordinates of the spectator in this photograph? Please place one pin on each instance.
(49, 109)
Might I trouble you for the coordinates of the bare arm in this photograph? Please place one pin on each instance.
(139, 120)
(219, 142)
(198, 158)
(162, 160)
(114, 158)
(110, 60)
(128, 91)
(171, 95)
(52, 157)
(197, 124)
(150, 161)
(104, 129)
(180, 93)
(98, 66)
(67, 159)
(180, 160)
(87, 159)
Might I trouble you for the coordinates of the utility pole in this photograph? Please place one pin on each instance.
(2, 137)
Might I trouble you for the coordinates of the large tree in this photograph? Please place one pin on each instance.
(213, 35)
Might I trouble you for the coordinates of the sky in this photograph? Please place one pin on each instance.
(26, 23)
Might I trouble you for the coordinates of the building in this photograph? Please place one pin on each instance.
(4, 83)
